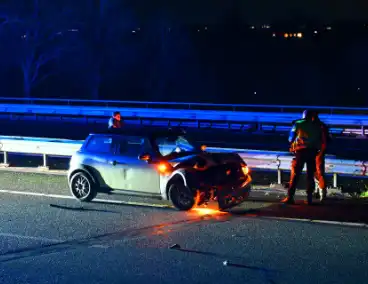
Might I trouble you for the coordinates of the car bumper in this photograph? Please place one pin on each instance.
(242, 183)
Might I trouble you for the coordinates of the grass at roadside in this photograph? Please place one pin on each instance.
(33, 182)
(57, 184)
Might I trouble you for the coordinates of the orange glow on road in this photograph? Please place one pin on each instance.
(207, 211)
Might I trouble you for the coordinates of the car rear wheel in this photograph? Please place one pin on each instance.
(181, 196)
(82, 187)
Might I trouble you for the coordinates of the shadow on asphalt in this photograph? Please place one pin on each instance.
(82, 209)
(332, 210)
(138, 205)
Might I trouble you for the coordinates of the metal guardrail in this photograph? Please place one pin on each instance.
(265, 160)
(184, 105)
(358, 123)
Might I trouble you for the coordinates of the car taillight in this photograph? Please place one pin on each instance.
(245, 170)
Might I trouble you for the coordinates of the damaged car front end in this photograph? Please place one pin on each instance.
(200, 175)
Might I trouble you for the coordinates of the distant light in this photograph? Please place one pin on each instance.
(316, 32)
(255, 93)
(291, 35)
(133, 32)
(198, 30)
(328, 28)
(205, 28)
(286, 35)
(266, 26)
(299, 35)
(252, 27)
(358, 89)
(273, 35)
(294, 35)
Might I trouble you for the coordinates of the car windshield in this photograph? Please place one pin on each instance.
(169, 145)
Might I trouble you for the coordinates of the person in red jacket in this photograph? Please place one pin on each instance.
(115, 120)
(305, 140)
(320, 158)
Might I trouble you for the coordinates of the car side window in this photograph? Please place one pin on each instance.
(100, 144)
(130, 146)
(165, 147)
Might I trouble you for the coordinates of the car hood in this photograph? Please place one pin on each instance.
(211, 158)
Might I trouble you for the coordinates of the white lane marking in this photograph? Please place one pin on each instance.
(9, 235)
(349, 224)
(29, 193)
(100, 246)
(362, 225)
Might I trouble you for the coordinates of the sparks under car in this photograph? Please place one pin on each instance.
(161, 164)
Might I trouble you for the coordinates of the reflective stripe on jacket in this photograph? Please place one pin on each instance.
(305, 134)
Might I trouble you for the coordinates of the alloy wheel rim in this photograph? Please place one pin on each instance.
(81, 187)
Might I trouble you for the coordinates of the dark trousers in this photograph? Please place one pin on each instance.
(320, 170)
(302, 157)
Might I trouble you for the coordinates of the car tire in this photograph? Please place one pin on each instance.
(181, 196)
(82, 187)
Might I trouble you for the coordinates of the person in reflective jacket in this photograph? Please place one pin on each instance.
(115, 121)
(320, 158)
(305, 138)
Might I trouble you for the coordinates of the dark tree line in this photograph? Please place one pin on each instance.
(163, 51)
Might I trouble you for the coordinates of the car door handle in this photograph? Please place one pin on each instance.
(114, 163)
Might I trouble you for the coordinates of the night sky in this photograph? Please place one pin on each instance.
(267, 11)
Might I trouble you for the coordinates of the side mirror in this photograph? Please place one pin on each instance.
(145, 157)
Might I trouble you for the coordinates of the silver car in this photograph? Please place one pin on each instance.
(162, 164)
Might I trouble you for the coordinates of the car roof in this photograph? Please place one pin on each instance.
(143, 131)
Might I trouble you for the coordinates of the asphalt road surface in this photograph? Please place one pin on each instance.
(349, 148)
(46, 237)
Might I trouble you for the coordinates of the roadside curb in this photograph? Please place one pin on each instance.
(325, 222)
(263, 193)
(33, 171)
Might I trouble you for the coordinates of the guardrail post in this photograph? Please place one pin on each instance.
(334, 180)
(5, 161)
(44, 166)
(278, 185)
(279, 176)
(363, 131)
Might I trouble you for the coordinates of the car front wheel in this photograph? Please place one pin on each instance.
(82, 187)
(181, 196)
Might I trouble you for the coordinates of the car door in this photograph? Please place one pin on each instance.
(117, 165)
(139, 176)
(101, 151)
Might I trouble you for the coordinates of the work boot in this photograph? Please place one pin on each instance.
(288, 200)
(323, 195)
(317, 195)
(310, 198)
